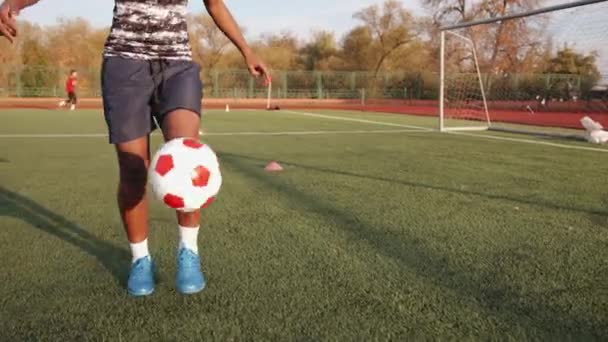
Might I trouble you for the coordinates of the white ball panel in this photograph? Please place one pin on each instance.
(179, 180)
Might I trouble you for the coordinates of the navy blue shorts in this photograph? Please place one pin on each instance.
(137, 94)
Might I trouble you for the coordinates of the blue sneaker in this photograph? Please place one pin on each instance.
(190, 279)
(141, 277)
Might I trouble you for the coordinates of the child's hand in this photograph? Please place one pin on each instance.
(256, 67)
(8, 25)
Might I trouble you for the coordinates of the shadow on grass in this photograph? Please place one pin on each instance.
(116, 260)
(539, 203)
(4, 160)
(515, 310)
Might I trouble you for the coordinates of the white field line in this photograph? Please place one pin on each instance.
(377, 131)
(476, 135)
(341, 118)
(529, 141)
(97, 135)
(412, 129)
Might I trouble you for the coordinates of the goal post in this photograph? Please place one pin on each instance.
(536, 72)
(454, 105)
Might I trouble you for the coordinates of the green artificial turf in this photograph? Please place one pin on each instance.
(366, 235)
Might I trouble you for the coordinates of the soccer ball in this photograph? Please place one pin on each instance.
(185, 175)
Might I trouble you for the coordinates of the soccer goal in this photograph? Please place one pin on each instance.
(536, 72)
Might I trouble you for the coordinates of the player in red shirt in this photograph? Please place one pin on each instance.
(70, 89)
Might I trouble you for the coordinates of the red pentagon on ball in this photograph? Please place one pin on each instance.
(200, 177)
(164, 164)
(208, 203)
(174, 201)
(193, 143)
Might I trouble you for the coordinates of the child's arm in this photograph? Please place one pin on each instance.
(8, 10)
(225, 22)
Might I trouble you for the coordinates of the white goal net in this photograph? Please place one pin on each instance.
(538, 72)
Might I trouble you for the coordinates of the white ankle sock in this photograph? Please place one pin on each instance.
(139, 250)
(188, 238)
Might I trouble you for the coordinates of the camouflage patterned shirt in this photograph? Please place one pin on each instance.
(149, 30)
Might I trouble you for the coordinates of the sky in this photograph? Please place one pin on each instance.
(301, 17)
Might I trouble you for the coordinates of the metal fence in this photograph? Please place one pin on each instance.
(43, 81)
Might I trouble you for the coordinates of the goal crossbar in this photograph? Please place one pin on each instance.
(522, 14)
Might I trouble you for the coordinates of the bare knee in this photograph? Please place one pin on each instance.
(181, 123)
(133, 178)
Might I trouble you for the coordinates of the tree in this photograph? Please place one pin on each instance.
(35, 56)
(507, 43)
(568, 62)
(447, 11)
(357, 49)
(320, 53)
(389, 26)
(10, 60)
(9, 53)
(75, 44)
(208, 43)
(279, 51)
(35, 73)
(505, 46)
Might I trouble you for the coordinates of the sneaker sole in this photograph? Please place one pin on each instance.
(141, 293)
(191, 291)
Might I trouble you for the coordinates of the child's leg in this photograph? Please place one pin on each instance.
(127, 89)
(133, 161)
(178, 107)
(72, 100)
(183, 123)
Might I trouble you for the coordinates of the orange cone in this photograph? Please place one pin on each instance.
(273, 167)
